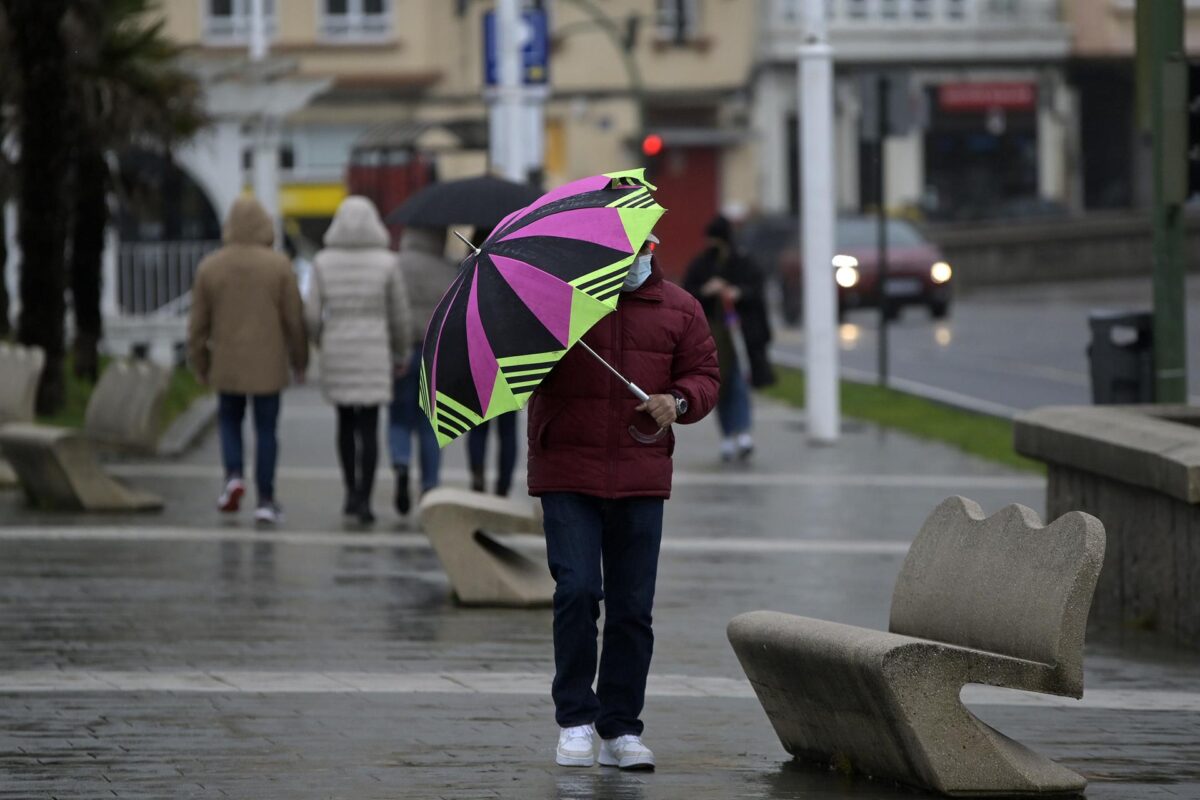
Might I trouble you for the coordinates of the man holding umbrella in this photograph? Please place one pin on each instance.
(602, 470)
(563, 304)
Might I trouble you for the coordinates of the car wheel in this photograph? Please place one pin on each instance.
(939, 310)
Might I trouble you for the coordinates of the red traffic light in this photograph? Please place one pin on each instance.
(652, 145)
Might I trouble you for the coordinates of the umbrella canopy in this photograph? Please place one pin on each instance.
(545, 276)
(481, 202)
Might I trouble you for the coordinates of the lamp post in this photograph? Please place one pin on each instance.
(815, 60)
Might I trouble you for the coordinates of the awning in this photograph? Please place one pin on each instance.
(311, 199)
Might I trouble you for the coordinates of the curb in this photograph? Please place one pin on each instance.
(186, 429)
(933, 394)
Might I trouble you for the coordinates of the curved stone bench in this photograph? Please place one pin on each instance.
(484, 571)
(20, 371)
(59, 468)
(1001, 601)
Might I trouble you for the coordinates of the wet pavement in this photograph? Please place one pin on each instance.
(183, 655)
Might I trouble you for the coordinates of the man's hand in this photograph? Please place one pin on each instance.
(661, 407)
(714, 286)
(401, 367)
(300, 376)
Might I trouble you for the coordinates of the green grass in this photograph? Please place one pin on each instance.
(181, 391)
(977, 434)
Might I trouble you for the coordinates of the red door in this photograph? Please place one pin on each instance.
(687, 187)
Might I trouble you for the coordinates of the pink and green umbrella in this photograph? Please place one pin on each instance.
(545, 276)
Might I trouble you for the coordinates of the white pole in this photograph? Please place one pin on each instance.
(258, 30)
(817, 225)
(508, 86)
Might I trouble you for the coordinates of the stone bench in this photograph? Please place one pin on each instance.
(462, 527)
(59, 468)
(1001, 601)
(20, 371)
(1138, 469)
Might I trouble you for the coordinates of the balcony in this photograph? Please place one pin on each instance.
(925, 31)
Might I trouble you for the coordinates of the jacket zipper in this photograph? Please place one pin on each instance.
(614, 417)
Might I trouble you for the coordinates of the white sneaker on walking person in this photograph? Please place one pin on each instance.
(576, 747)
(231, 498)
(626, 752)
(268, 514)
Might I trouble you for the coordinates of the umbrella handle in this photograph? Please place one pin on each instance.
(644, 439)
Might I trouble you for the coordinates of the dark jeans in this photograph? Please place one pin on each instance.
(231, 409)
(358, 449)
(405, 418)
(506, 425)
(602, 550)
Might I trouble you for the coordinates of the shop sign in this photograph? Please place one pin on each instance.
(974, 97)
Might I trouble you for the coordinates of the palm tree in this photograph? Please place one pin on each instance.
(127, 91)
(41, 75)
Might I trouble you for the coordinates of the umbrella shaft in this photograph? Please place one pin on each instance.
(630, 385)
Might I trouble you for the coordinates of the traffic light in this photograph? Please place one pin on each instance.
(652, 145)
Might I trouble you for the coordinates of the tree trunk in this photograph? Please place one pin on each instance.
(87, 252)
(42, 174)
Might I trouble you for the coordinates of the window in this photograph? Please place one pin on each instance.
(355, 20)
(228, 21)
(677, 21)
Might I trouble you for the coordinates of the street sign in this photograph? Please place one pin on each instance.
(905, 107)
(535, 48)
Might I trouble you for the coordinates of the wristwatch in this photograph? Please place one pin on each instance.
(681, 405)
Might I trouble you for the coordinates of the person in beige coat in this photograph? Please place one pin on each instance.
(358, 314)
(245, 329)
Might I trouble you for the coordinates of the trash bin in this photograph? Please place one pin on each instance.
(1122, 356)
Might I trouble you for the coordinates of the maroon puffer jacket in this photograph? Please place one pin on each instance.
(579, 417)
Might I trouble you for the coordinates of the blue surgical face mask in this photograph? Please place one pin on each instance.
(637, 274)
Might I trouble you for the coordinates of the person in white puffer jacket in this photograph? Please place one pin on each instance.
(358, 315)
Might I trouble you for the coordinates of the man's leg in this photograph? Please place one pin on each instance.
(368, 431)
(477, 454)
(401, 420)
(346, 459)
(431, 454)
(266, 445)
(574, 528)
(506, 425)
(632, 536)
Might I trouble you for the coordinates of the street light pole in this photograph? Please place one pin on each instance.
(1162, 71)
(815, 59)
(266, 132)
(510, 153)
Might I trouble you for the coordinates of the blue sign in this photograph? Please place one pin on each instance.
(535, 50)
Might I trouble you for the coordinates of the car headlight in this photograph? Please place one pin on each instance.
(846, 277)
(940, 272)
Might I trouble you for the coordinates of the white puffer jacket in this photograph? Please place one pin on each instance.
(357, 310)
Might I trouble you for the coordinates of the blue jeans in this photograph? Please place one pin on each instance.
(733, 404)
(231, 409)
(506, 427)
(602, 550)
(405, 418)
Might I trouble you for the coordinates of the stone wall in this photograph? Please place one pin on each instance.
(1151, 575)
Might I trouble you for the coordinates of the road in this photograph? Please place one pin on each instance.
(1003, 350)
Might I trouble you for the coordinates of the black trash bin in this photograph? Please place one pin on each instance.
(1122, 356)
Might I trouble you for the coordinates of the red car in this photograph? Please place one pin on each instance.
(918, 274)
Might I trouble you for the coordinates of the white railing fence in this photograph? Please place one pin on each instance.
(925, 12)
(154, 279)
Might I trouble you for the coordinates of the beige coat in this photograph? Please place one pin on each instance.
(357, 310)
(427, 274)
(246, 325)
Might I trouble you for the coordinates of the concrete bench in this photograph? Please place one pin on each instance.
(20, 371)
(484, 571)
(59, 467)
(1001, 601)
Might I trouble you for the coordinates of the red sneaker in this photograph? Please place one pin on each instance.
(231, 499)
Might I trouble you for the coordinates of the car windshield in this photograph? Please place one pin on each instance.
(863, 232)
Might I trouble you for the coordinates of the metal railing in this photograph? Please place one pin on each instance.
(154, 279)
(942, 13)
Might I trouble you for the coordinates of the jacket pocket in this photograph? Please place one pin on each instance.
(538, 435)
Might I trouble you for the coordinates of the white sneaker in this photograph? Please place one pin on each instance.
(745, 446)
(626, 752)
(576, 747)
(728, 449)
(231, 497)
(268, 514)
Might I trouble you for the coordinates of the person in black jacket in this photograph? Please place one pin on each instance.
(730, 287)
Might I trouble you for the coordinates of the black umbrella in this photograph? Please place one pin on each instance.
(481, 202)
